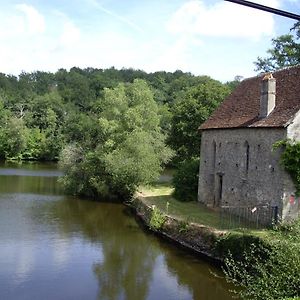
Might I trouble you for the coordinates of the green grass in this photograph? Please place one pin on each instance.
(157, 189)
(160, 194)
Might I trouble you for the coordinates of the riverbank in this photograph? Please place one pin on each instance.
(195, 237)
(190, 224)
(264, 264)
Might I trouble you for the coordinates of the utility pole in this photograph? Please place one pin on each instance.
(267, 9)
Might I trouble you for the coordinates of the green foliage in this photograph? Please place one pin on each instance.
(157, 218)
(285, 52)
(185, 181)
(130, 150)
(13, 138)
(290, 159)
(192, 108)
(274, 275)
(237, 243)
(265, 268)
(89, 107)
(288, 231)
(183, 226)
(35, 144)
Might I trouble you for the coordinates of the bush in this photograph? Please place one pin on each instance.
(290, 159)
(185, 181)
(237, 243)
(268, 271)
(157, 219)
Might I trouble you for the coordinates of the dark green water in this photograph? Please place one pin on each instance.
(58, 247)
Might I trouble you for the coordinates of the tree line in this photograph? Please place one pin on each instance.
(123, 123)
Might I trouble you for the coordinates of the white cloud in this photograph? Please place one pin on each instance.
(28, 44)
(70, 34)
(223, 19)
(34, 21)
(30, 41)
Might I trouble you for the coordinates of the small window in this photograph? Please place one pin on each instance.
(214, 154)
(247, 147)
(220, 189)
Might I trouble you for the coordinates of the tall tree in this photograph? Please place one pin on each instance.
(130, 151)
(285, 52)
(189, 112)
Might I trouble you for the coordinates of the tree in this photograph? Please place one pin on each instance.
(130, 150)
(186, 179)
(189, 112)
(13, 138)
(74, 87)
(285, 52)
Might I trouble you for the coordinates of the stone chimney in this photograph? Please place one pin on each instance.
(267, 95)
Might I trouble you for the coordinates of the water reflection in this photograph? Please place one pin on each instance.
(58, 247)
(30, 184)
(136, 265)
(126, 268)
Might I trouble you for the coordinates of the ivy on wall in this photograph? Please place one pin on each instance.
(290, 159)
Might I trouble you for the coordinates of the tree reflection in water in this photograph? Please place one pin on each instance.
(132, 263)
(128, 258)
(85, 249)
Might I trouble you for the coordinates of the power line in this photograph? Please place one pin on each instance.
(267, 9)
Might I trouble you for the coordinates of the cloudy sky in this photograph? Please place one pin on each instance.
(204, 37)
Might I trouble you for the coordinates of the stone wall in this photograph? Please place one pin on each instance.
(293, 130)
(238, 168)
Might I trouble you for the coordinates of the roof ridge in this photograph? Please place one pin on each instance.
(241, 107)
(272, 72)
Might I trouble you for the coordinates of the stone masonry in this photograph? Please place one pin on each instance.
(238, 167)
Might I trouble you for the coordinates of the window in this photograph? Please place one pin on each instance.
(214, 155)
(219, 190)
(247, 147)
(220, 187)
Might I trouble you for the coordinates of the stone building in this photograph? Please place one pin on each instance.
(237, 165)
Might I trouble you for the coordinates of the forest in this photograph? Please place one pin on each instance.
(126, 124)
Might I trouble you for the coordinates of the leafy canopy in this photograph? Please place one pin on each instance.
(130, 150)
(189, 112)
(290, 159)
(285, 52)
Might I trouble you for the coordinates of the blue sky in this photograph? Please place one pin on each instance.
(204, 37)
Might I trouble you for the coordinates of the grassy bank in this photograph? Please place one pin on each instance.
(160, 195)
(264, 263)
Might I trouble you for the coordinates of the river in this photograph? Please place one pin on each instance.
(54, 246)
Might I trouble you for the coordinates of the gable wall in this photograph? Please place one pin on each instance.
(293, 130)
(290, 208)
(245, 182)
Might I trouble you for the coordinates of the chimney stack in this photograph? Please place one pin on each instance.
(267, 95)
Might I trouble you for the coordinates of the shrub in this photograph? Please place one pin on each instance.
(157, 218)
(290, 159)
(185, 181)
(268, 271)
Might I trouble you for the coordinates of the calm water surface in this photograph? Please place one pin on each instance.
(57, 247)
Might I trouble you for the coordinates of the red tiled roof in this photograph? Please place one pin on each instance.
(241, 108)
